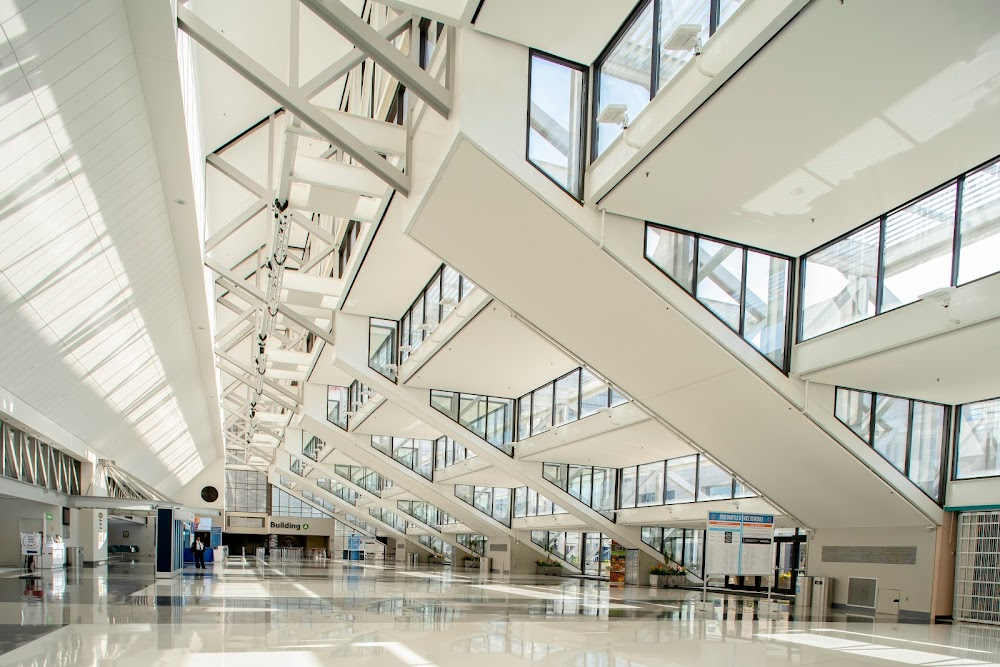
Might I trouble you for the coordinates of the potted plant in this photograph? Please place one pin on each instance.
(675, 575)
(472, 563)
(655, 573)
(436, 559)
(547, 566)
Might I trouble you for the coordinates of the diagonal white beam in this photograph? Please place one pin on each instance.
(339, 17)
(352, 59)
(234, 225)
(313, 228)
(236, 175)
(245, 379)
(291, 99)
(267, 381)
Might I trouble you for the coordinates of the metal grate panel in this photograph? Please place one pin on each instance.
(861, 592)
(977, 568)
(873, 555)
(498, 547)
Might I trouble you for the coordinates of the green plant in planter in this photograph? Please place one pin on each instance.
(658, 571)
(546, 563)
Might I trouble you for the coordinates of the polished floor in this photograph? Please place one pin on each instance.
(368, 614)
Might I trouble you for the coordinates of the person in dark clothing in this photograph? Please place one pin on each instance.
(198, 549)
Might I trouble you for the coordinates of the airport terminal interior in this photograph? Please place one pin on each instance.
(590, 333)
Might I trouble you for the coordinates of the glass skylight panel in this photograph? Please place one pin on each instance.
(556, 111)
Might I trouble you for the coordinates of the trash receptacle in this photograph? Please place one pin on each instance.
(414, 559)
(803, 592)
(485, 565)
(822, 593)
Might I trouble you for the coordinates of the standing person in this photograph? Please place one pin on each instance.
(198, 549)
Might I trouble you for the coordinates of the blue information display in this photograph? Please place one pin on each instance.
(739, 544)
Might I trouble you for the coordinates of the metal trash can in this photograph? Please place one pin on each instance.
(414, 559)
(485, 565)
(822, 593)
(803, 592)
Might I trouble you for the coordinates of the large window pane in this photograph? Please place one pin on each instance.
(432, 303)
(472, 413)
(673, 253)
(854, 409)
(681, 474)
(980, 252)
(624, 77)
(674, 14)
(445, 402)
(650, 484)
(594, 393)
(628, 487)
(926, 445)
(555, 117)
(382, 347)
(524, 417)
(978, 440)
(918, 248)
(449, 291)
(501, 505)
(892, 425)
(714, 483)
(541, 410)
(766, 307)
(840, 282)
(567, 399)
(720, 278)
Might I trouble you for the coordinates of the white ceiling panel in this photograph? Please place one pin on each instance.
(95, 320)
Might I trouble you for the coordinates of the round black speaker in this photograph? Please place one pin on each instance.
(210, 494)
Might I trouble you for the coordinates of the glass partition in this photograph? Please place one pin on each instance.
(978, 440)
(342, 491)
(285, 504)
(382, 347)
(319, 500)
(439, 298)
(369, 480)
(425, 513)
(945, 238)
(299, 467)
(358, 394)
(557, 95)
(313, 447)
(685, 479)
(683, 546)
(473, 542)
(494, 502)
(578, 394)
(647, 52)
(447, 452)
(911, 435)
(564, 545)
(392, 519)
(593, 486)
(528, 502)
(417, 455)
(489, 417)
(748, 289)
(338, 405)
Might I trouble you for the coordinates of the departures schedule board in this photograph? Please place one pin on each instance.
(739, 544)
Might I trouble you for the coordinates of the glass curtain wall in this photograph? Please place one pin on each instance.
(911, 435)
(647, 53)
(439, 298)
(528, 502)
(447, 452)
(285, 504)
(494, 502)
(945, 238)
(573, 396)
(748, 289)
(684, 546)
(417, 455)
(563, 545)
(489, 417)
(425, 513)
(392, 519)
(246, 491)
(978, 440)
(366, 478)
(593, 486)
(342, 491)
(473, 542)
(685, 479)
(557, 101)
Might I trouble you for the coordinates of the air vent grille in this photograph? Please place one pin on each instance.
(861, 592)
(872, 555)
(498, 547)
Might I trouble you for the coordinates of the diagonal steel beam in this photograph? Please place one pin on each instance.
(237, 176)
(353, 58)
(234, 225)
(267, 381)
(291, 99)
(339, 17)
(245, 379)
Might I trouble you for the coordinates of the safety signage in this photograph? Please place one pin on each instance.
(739, 544)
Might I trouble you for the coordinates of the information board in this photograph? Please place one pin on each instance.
(739, 544)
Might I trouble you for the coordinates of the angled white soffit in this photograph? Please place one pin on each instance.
(95, 317)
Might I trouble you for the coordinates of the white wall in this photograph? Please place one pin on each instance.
(15, 512)
(914, 582)
(139, 535)
(973, 494)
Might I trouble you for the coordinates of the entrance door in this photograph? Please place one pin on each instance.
(787, 562)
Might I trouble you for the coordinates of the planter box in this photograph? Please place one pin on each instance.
(654, 580)
(471, 566)
(548, 569)
(433, 560)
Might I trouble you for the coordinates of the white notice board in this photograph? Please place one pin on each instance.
(739, 544)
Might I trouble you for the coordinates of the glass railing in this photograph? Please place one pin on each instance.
(683, 546)
(686, 479)
(557, 107)
(319, 500)
(474, 542)
(338, 405)
(285, 504)
(360, 523)
(313, 447)
(565, 546)
(592, 486)
(342, 491)
(494, 502)
(389, 518)
(425, 513)
(945, 238)
(445, 290)
(977, 451)
(382, 347)
(573, 396)
(528, 503)
(489, 417)
(447, 452)
(911, 435)
(417, 455)
(285, 482)
(299, 467)
(369, 480)
(437, 545)
(657, 40)
(748, 289)
(358, 395)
